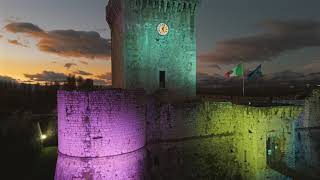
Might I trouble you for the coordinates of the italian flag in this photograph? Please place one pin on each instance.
(235, 72)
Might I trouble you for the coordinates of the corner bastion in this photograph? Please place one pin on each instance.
(100, 123)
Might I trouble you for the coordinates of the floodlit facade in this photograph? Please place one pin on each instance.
(128, 132)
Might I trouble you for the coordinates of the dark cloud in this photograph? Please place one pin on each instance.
(215, 66)
(101, 82)
(286, 75)
(69, 65)
(313, 76)
(312, 67)
(16, 42)
(82, 73)
(280, 36)
(283, 78)
(23, 27)
(7, 79)
(84, 62)
(47, 76)
(291, 26)
(206, 80)
(105, 76)
(66, 43)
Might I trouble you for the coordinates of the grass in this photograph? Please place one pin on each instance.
(44, 165)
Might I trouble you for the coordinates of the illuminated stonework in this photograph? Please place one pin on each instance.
(237, 136)
(103, 134)
(308, 134)
(139, 52)
(129, 166)
(100, 123)
(312, 110)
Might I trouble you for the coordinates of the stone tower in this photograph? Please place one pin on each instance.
(154, 45)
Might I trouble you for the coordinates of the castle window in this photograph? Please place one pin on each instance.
(162, 79)
(245, 156)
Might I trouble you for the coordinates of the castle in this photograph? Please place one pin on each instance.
(152, 109)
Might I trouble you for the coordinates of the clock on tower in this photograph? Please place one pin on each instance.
(163, 29)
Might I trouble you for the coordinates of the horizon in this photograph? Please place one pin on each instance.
(34, 48)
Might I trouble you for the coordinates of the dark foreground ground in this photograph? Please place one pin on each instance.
(43, 167)
(30, 167)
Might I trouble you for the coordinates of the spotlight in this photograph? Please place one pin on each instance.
(43, 137)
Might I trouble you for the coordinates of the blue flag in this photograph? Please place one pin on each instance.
(255, 73)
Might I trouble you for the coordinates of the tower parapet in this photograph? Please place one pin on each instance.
(160, 5)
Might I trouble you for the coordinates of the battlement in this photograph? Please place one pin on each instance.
(114, 7)
(166, 5)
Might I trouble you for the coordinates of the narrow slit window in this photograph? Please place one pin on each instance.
(245, 155)
(162, 79)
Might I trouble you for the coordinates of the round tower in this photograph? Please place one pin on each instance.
(100, 123)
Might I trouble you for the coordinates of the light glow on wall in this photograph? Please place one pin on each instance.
(43, 137)
(100, 123)
(127, 166)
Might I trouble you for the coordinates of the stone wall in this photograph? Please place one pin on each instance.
(235, 138)
(308, 135)
(129, 166)
(238, 134)
(312, 110)
(100, 123)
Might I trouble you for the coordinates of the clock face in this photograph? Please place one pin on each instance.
(163, 29)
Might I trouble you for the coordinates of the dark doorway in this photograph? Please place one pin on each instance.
(162, 79)
(274, 149)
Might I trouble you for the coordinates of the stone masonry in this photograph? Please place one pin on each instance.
(100, 123)
(139, 52)
(308, 134)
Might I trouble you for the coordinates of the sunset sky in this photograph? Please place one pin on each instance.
(44, 40)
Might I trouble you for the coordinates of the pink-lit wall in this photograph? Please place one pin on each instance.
(129, 166)
(100, 123)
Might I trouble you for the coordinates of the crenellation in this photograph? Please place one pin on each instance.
(167, 6)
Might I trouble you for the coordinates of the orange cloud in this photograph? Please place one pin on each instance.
(69, 65)
(47, 76)
(82, 73)
(66, 43)
(27, 28)
(106, 77)
(16, 42)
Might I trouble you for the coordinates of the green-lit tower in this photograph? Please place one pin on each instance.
(154, 45)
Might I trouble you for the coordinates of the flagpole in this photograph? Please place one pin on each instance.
(243, 88)
(243, 85)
